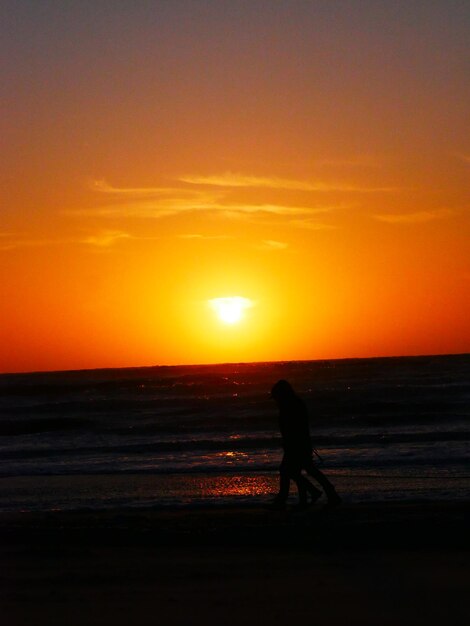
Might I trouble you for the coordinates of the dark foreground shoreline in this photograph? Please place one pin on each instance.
(359, 526)
(359, 564)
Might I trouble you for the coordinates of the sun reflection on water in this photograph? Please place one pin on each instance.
(223, 486)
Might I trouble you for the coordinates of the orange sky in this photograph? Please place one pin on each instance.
(313, 157)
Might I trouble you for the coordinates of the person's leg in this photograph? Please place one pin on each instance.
(284, 485)
(291, 466)
(302, 490)
(313, 471)
(312, 490)
(305, 487)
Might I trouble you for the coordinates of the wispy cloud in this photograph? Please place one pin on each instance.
(103, 239)
(160, 202)
(271, 244)
(10, 241)
(419, 217)
(230, 180)
(107, 238)
(164, 207)
(240, 180)
(204, 237)
(155, 208)
(353, 161)
(276, 209)
(101, 186)
(157, 203)
(312, 224)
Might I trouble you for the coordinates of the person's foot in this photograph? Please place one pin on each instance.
(333, 501)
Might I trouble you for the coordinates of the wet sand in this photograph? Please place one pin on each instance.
(375, 564)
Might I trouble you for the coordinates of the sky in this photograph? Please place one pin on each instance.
(310, 157)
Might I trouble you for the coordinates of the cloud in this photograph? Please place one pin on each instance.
(204, 237)
(312, 224)
(231, 180)
(101, 186)
(155, 208)
(357, 161)
(271, 244)
(240, 180)
(419, 217)
(164, 207)
(12, 242)
(148, 201)
(276, 209)
(140, 203)
(106, 238)
(156, 202)
(102, 240)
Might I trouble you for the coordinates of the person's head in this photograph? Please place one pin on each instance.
(282, 391)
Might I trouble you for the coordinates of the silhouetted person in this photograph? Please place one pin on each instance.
(293, 423)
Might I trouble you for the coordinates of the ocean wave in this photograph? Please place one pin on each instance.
(454, 468)
(235, 444)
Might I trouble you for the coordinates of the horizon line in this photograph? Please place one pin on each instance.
(222, 363)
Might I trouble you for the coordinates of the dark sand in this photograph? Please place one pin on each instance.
(378, 564)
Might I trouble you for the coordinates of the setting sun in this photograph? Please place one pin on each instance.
(230, 310)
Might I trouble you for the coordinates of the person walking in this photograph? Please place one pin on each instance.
(297, 446)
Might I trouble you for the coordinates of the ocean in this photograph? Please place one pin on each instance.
(155, 437)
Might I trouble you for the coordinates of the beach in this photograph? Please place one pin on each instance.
(139, 496)
(383, 563)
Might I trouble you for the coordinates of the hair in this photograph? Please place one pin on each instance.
(282, 390)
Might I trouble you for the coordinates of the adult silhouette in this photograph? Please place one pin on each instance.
(294, 427)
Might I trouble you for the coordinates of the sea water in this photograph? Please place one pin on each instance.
(385, 429)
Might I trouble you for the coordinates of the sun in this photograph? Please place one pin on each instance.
(230, 310)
